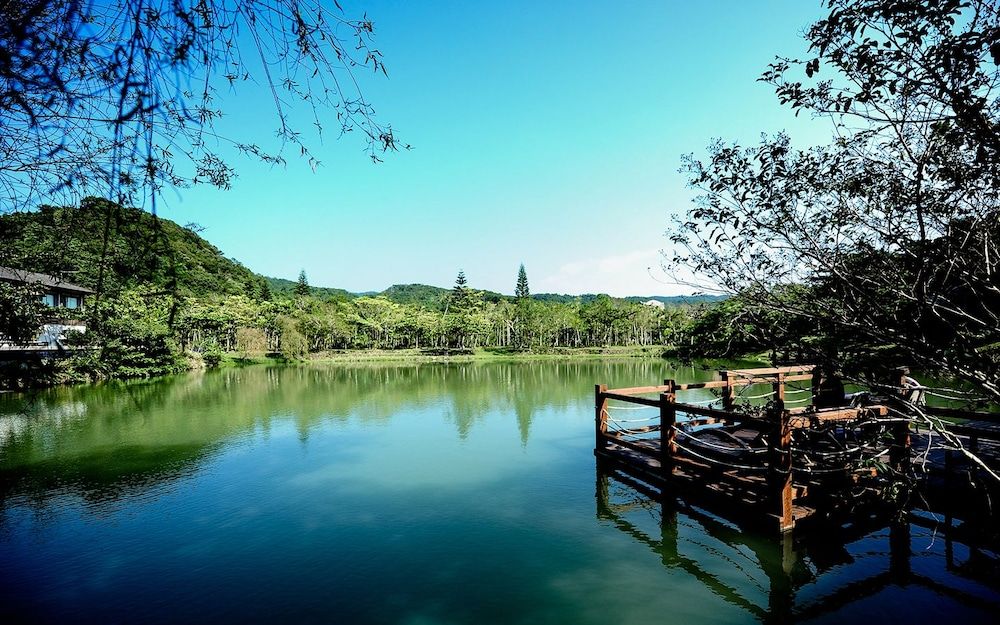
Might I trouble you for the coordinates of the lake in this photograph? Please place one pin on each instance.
(405, 494)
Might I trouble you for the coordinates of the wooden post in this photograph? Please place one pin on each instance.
(779, 388)
(668, 432)
(601, 416)
(727, 391)
(780, 466)
(899, 451)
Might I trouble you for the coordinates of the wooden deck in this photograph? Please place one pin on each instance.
(757, 472)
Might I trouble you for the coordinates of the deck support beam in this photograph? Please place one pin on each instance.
(899, 450)
(780, 465)
(668, 429)
(601, 416)
(728, 394)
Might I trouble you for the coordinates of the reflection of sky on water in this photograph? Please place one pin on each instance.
(371, 494)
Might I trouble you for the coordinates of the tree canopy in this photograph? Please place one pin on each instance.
(884, 242)
(100, 244)
(118, 98)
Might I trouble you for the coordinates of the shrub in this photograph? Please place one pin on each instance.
(293, 342)
(250, 342)
(211, 353)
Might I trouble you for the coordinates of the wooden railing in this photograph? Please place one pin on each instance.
(651, 446)
(656, 439)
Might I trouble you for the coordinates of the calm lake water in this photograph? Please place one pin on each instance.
(404, 495)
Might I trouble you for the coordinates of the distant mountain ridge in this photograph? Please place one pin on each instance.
(436, 297)
(287, 287)
(142, 249)
(678, 300)
(668, 300)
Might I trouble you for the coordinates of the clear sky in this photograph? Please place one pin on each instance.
(544, 132)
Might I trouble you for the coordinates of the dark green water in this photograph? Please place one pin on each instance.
(402, 495)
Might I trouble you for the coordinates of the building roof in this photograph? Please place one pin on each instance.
(30, 277)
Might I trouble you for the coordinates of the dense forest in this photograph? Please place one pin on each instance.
(167, 298)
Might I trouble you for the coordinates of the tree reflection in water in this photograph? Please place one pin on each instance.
(109, 440)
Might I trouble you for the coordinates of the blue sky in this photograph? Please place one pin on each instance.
(548, 133)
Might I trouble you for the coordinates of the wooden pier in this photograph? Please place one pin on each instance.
(776, 466)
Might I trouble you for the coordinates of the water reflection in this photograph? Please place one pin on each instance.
(926, 569)
(398, 494)
(106, 441)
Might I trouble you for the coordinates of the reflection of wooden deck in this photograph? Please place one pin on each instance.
(731, 488)
(678, 541)
(756, 471)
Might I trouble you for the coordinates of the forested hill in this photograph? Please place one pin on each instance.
(287, 287)
(136, 247)
(432, 297)
(436, 298)
(139, 262)
(668, 300)
(145, 250)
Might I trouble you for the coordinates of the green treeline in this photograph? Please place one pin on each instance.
(299, 324)
(169, 300)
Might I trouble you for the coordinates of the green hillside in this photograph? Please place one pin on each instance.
(432, 297)
(136, 247)
(558, 298)
(287, 287)
(142, 249)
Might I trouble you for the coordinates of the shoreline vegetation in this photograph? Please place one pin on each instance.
(168, 301)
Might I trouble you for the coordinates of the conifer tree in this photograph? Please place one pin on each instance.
(302, 287)
(460, 292)
(521, 290)
(264, 292)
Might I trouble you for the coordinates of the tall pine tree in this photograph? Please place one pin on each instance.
(521, 290)
(460, 292)
(523, 314)
(302, 286)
